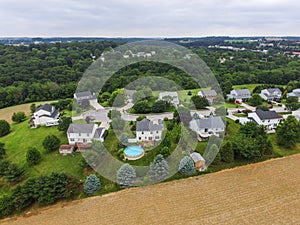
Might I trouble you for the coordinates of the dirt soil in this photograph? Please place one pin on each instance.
(263, 193)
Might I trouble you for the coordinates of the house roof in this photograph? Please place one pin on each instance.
(210, 122)
(66, 147)
(147, 125)
(242, 92)
(265, 115)
(46, 107)
(209, 93)
(84, 94)
(81, 128)
(196, 157)
(173, 94)
(274, 91)
(98, 133)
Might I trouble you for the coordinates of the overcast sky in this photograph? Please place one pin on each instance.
(149, 18)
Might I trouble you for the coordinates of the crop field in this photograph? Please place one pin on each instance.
(262, 193)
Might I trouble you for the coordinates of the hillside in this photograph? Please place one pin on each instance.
(263, 193)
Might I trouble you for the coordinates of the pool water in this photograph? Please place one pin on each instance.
(133, 151)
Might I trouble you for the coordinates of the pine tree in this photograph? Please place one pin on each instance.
(126, 176)
(92, 184)
(159, 169)
(227, 153)
(186, 166)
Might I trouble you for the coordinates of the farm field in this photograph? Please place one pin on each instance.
(262, 193)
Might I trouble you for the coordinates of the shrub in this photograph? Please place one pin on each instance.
(51, 143)
(18, 117)
(126, 176)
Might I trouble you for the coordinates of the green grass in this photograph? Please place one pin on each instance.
(250, 87)
(22, 137)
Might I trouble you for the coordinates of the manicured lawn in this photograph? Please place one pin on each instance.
(22, 137)
(232, 127)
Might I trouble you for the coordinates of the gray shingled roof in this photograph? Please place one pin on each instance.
(45, 107)
(196, 157)
(147, 125)
(209, 93)
(242, 92)
(80, 128)
(210, 122)
(98, 133)
(267, 115)
(272, 91)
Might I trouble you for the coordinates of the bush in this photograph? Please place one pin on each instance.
(51, 143)
(6, 206)
(159, 169)
(4, 128)
(14, 173)
(18, 117)
(227, 153)
(186, 166)
(2, 151)
(92, 184)
(33, 156)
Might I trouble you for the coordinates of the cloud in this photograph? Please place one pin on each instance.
(148, 18)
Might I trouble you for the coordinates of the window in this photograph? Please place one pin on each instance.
(87, 135)
(140, 138)
(79, 134)
(150, 138)
(142, 132)
(156, 137)
(157, 131)
(72, 139)
(151, 132)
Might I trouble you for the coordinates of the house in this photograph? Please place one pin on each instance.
(66, 149)
(45, 115)
(269, 119)
(210, 95)
(84, 133)
(85, 96)
(294, 93)
(147, 130)
(169, 96)
(239, 94)
(270, 94)
(198, 160)
(206, 127)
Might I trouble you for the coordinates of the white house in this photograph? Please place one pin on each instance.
(210, 95)
(271, 94)
(269, 119)
(84, 133)
(239, 94)
(45, 115)
(206, 127)
(170, 96)
(147, 130)
(294, 93)
(85, 96)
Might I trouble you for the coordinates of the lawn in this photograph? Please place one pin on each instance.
(22, 137)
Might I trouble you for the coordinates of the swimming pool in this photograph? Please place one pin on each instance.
(134, 152)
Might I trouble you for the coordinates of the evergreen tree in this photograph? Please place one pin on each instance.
(186, 166)
(123, 140)
(51, 143)
(14, 173)
(33, 156)
(126, 176)
(159, 169)
(4, 128)
(92, 184)
(2, 150)
(227, 153)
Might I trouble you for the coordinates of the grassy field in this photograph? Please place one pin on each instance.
(22, 137)
(6, 113)
(245, 195)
